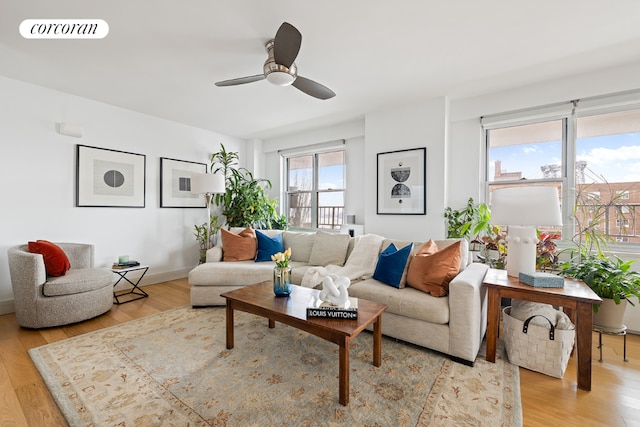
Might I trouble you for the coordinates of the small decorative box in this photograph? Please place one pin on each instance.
(541, 280)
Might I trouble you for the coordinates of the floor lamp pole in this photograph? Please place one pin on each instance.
(208, 199)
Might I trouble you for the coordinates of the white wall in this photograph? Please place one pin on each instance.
(422, 125)
(37, 181)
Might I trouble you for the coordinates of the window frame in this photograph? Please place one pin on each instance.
(568, 112)
(315, 190)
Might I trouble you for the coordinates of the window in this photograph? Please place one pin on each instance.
(620, 222)
(590, 153)
(526, 154)
(623, 195)
(315, 186)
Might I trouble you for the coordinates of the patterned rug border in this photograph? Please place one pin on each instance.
(434, 411)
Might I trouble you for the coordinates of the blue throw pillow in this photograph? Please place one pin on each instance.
(391, 264)
(268, 246)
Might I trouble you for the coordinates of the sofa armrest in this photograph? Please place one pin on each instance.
(468, 311)
(214, 254)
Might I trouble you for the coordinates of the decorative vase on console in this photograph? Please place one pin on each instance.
(282, 273)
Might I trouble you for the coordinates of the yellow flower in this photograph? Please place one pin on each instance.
(282, 259)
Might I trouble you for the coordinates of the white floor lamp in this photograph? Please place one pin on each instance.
(523, 209)
(207, 184)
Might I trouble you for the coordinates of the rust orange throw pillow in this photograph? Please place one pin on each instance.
(432, 273)
(428, 248)
(239, 247)
(56, 262)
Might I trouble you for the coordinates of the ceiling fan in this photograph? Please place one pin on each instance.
(279, 67)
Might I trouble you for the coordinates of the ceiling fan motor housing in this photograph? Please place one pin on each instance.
(278, 74)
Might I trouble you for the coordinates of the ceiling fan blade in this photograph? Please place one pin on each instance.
(312, 88)
(286, 44)
(241, 80)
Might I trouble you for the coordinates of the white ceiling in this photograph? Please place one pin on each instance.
(162, 57)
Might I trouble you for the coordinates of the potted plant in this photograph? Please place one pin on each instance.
(244, 202)
(200, 233)
(611, 278)
(494, 248)
(547, 251)
(473, 219)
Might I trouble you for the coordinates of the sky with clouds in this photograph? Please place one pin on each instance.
(615, 157)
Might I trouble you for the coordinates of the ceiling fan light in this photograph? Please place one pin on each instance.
(280, 78)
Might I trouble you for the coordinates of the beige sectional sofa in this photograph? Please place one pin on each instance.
(454, 324)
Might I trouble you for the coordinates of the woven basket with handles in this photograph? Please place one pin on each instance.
(544, 350)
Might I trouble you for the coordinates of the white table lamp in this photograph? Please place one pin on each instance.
(522, 209)
(207, 184)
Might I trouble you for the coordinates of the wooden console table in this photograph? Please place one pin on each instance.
(576, 299)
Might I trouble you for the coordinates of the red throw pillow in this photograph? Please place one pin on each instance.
(56, 262)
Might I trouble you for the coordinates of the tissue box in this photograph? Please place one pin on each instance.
(542, 280)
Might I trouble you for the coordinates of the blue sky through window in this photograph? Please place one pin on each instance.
(615, 157)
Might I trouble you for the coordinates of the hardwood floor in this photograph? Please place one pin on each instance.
(613, 401)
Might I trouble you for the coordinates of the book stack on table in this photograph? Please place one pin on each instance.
(323, 309)
(128, 264)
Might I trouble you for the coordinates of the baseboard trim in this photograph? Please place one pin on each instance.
(8, 307)
(152, 279)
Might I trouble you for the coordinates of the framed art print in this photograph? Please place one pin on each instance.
(109, 178)
(402, 182)
(175, 184)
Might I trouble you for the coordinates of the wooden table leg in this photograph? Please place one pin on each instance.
(344, 373)
(377, 341)
(272, 323)
(584, 320)
(229, 325)
(493, 320)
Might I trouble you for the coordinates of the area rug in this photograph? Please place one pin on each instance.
(172, 369)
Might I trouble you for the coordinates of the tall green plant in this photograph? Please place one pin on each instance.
(592, 215)
(607, 275)
(473, 219)
(244, 202)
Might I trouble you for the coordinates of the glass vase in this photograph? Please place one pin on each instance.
(282, 281)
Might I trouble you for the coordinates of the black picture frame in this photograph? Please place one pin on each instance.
(109, 178)
(175, 183)
(402, 182)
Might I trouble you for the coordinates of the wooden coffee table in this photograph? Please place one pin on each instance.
(259, 299)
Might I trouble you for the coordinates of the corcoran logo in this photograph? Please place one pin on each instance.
(64, 29)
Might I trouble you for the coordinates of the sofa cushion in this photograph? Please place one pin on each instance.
(407, 302)
(300, 244)
(268, 246)
(329, 248)
(239, 247)
(391, 265)
(77, 281)
(432, 273)
(56, 262)
(231, 273)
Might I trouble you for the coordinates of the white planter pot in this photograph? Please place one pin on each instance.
(610, 315)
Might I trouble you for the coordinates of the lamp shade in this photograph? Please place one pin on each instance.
(203, 183)
(526, 205)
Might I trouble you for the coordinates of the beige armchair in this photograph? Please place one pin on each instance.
(43, 301)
